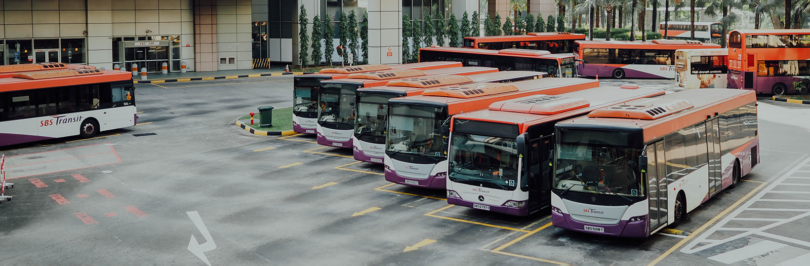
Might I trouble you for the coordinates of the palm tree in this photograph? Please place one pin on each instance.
(517, 6)
(692, 17)
(728, 19)
(787, 14)
(585, 7)
(610, 7)
(798, 13)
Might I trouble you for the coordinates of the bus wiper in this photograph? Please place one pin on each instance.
(617, 194)
(569, 188)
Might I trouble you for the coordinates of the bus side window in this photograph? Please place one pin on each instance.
(67, 100)
(21, 105)
(46, 102)
(88, 97)
(2, 107)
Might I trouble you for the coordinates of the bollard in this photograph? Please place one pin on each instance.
(182, 66)
(165, 68)
(143, 73)
(116, 67)
(251, 118)
(134, 69)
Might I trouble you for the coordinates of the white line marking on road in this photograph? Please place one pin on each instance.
(783, 200)
(734, 229)
(195, 247)
(797, 261)
(785, 239)
(779, 210)
(799, 177)
(791, 192)
(794, 184)
(671, 235)
(747, 252)
(758, 219)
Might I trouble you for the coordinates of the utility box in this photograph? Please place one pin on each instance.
(266, 116)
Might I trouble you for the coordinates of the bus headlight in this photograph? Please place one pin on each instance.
(637, 219)
(453, 194)
(515, 204)
(555, 209)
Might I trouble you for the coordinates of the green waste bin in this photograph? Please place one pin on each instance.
(266, 116)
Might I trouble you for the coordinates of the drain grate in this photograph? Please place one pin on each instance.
(144, 134)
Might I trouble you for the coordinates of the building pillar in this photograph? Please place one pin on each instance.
(205, 35)
(99, 33)
(385, 31)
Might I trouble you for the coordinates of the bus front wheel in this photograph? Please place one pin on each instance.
(680, 210)
(89, 128)
(779, 89)
(618, 73)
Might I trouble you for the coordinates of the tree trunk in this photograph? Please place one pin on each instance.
(633, 22)
(573, 17)
(596, 16)
(609, 20)
(692, 18)
(590, 22)
(654, 16)
(666, 20)
(787, 14)
(756, 20)
(725, 29)
(777, 24)
(621, 17)
(641, 19)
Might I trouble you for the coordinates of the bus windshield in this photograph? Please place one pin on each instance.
(567, 68)
(416, 130)
(597, 162)
(469, 43)
(484, 161)
(337, 106)
(372, 116)
(305, 103)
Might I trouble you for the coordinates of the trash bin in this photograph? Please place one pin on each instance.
(266, 116)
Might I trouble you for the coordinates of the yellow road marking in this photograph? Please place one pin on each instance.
(498, 250)
(210, 78)
(325, 185)
(159, 85)
(101, 137)
(290, 165)
(290, 138)
(141, 112)
(144, 123)
(265, 149)
(754, 181)
(366, 211)
(326, 153)
(706, 225)
(254, 75)
(158, 81)
(419, 245)
(404, 193)
(183, 80)
(355, 170)
(433, 214)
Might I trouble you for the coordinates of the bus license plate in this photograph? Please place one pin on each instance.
(594, 229)
(310, 131)
(375, 160)
(481, 207)
(411, 182)
(337, 144)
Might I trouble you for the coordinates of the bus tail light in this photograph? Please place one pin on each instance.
(453, 194)
(555, 209)
(637, 219)
(514, 204)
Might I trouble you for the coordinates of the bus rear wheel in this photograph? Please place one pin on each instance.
(89, 128)
(618, 73)
(735, 176)
(778, 89)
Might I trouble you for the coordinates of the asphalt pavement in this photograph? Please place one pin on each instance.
(188, 187)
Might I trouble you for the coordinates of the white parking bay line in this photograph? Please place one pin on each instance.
(797, 261)
(747, 252)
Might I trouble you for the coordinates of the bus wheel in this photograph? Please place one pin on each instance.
(618, 73)
(680, 210)
(735, 176)
(779, 89)
(89, 128)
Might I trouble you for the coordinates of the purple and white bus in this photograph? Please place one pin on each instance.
(623, 59)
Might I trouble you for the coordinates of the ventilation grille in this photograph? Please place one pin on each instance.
(472, 90)
(31, 67)
(540, 104)
(57, 73)
(431, 81)
(390, 74)
(354, 69)
(651, 111)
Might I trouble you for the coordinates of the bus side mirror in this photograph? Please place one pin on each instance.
(642, 161)
(579, 60)
(445, 130)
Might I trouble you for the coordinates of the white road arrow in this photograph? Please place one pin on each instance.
(196, 248)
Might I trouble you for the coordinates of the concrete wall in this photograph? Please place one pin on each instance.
(384, 31)
(233, 34)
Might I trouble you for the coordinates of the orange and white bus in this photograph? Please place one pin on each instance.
(500, 157)
(372, 106)
(711, 32)
(338, 98)
(307, 87)
(701, 68)
(415, 146)
(48, 101)
(624, 59)
(632, 169)
(554, 42)
(556, 65)
(768, 61)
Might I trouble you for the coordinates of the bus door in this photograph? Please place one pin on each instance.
(713, 143)
(656, 185)
(542, 153)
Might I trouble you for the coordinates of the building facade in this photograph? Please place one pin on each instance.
(206, 35)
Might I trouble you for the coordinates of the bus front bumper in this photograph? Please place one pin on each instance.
(625, 228)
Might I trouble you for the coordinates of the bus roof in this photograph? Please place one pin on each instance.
(61, 77)
(662, 115)
(344, 72)
(532, 36)
(656, 44)
(381, 78)
(525, 53)
(773, 31)
(518, 89)
(477, 78)
(538, 109)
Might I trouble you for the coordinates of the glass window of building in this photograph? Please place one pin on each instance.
(73, 51)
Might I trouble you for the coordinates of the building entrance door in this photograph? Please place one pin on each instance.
(148, 54)
(46, 56)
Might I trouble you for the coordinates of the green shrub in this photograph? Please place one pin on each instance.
(581, 30)
(653, 35)
(619, 30)
(621, 37)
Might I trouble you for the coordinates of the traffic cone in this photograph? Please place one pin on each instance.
(287, 69)
(597, 77)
